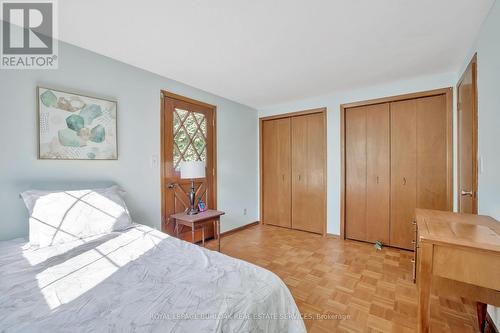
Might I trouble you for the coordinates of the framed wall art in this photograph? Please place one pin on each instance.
(76, 127)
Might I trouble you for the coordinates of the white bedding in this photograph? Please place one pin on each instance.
(138, 280)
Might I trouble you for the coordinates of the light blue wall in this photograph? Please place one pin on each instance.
(488, 85)
(487, 47)
(138, 96)
(332, 102)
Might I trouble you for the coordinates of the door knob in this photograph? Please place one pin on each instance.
(171, 185)
(469, 193)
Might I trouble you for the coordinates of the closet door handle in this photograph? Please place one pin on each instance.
(404, 180)
(283, 177)
(377, 179)
(299, 177)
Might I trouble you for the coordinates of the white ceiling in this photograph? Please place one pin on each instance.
(264, 52)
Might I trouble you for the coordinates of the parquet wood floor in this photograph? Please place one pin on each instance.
(359, 288)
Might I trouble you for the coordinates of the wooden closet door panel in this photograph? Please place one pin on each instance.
(378, 173)
(355, 173)
(432, 161)
(308, 172)
(276, 172)
(403, 172)
(300, 200)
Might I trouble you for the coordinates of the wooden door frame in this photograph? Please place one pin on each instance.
(163, 188)
(473, 65)
(323, 111)
(448, 92)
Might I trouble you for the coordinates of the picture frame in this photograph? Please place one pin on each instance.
(201, 206)
(73, 126)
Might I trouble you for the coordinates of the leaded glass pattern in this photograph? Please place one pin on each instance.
(190, 136)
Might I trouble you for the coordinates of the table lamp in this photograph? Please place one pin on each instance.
(192, 170)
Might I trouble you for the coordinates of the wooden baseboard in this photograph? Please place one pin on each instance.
(490, 325)
(232, 231)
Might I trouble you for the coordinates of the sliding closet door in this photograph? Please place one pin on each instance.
(432, 157)
(276, 195)
(308, 172)
(403, 172)
(355, 173)
(377, 173)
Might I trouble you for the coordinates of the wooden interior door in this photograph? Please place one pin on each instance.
(308, 172)
(467, 140)
(355, 173)
(378, 173)
(403, 172)
(187, 134)
(276, 159)
(467, 151)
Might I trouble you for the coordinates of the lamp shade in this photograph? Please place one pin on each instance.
(192, 169)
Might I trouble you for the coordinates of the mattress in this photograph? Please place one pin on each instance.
(138, 280)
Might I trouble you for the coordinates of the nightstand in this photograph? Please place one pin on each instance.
(199, 221)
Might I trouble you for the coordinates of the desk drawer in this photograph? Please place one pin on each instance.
(475, 267)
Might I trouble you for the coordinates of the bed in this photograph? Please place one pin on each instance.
(138, 279)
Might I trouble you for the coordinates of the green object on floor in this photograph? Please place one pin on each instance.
(378, 245)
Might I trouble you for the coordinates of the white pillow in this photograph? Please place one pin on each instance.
(61, 216)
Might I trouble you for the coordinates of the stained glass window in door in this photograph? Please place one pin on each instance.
(190, 136)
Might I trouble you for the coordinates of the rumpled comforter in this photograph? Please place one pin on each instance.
(138, 280)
